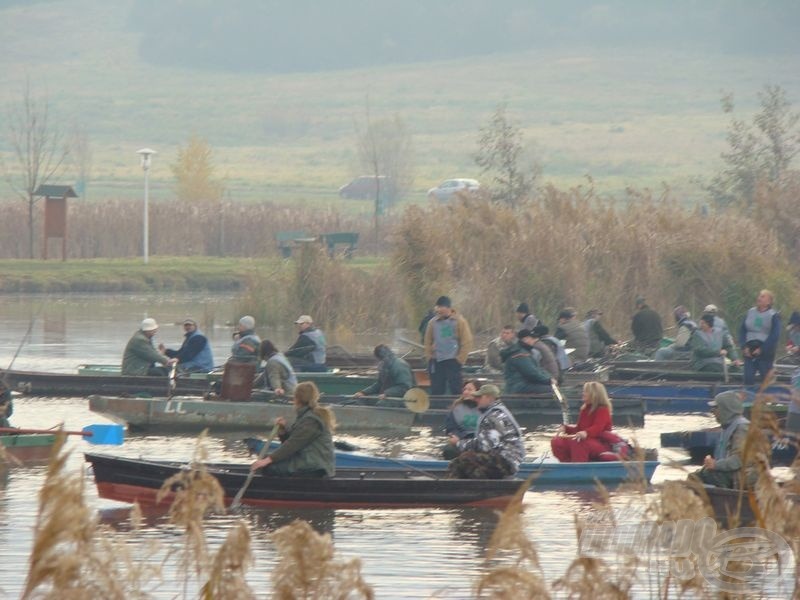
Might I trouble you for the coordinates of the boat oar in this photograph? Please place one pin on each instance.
(237, 499)
(105, 433)
(562, 401)
(171, 385)
(416, 400)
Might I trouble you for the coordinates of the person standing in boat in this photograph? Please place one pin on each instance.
(574, 334)
(600, 341)
(308, 353)
(306, 448)
(246, 343)
(758, 337)
(506, 339)
(278, 373)
(395, 376)
(140, 357)
(588, 439)
(726, 467)
(448, 340)
(194, 355)
(522, 373)
(462, 420)
(496, 450)
(527, 320)
(710, 347)
(646, 328)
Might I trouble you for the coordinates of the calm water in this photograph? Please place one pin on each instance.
(405, 553)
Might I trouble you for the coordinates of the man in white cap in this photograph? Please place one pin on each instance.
(719, 322)
(140, 356)
(246, 343)
(309, 351)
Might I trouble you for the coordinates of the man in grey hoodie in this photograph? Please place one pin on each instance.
(726, 467)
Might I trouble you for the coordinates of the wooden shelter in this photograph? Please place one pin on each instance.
(55, 214)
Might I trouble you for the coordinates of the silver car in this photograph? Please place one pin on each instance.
(446, 189)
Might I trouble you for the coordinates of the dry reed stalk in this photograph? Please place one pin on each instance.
(307, 567)
(226, 580)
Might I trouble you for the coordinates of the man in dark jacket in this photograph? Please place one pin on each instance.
(646, 328)
(309, 351)
(522, 374)
(194, 355)
(395, 377)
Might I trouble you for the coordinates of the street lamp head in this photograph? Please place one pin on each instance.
(145, 154)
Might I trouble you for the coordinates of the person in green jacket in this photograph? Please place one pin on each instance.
(306, 448)
(522, 373)
(710, 346)
(140, 357)
(395, 377)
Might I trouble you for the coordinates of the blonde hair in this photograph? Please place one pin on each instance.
(597, 395)
(770, 294)
(307, 394)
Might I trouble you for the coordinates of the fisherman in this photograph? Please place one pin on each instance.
(527, 320)
(556, 347)
(309, 351)
(726, 468)
(246, 342)
(140, 356)
(506, 339)
(575, 335)
(278, 376)
(395, 377)
(194, 355)
(679, 349)
(793, 339)
(522, 373)
(496, 450)
(719, 322)
(448, 340)
(543, 355)
(758, 337)
(646, 328)
(710, 347)
(600, 341)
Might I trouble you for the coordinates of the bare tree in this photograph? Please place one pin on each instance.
(502, 155)
(38, 149)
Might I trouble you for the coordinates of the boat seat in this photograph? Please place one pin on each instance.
(237, 381)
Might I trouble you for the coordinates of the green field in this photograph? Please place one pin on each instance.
(625, 119)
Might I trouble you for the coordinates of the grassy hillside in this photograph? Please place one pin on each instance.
(624, 118)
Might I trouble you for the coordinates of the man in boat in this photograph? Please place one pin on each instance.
(543, 355)
(679, 349)
(522, 374)
(719, 322)
(726, 468)
(306, 448)
(140, 357)
(793, 341)
(600, 341)
(506, 339)
(574, 333)
(646, 328)
(309, 351)
(542, 333)
(496, 450)
(448, 340)
(194, 355)
(710, 347)
(395, 376)
(246, 343)
(758, 337)
(278, 375)
(527, 320)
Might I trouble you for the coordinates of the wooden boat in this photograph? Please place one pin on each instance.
(733, 507)
(547, 473)
(680, 370)
(700, 444)
(27, 447)
(131, 480)
(191, 413)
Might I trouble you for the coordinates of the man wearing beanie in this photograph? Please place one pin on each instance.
(246, 343)
(447, 342)
(527, 320)
(140, 356)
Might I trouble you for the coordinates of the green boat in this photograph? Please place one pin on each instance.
(26, 447)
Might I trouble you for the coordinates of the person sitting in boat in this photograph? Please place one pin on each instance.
(6, 405)
(726, 467)
(646, 328)
(306, 448)
(793, 341)
(527, 320)
(574, 334)
(278, 374)
(496, 450)
(194, 355)
(679, 349)
(542, 333)
(591, 438)
(600, 341)
(710, 347)
(719, 322)
(522, 374)
(246, 343)
(758, 337)
(308, 353)
(395, 376)
(462, 420)
(506, 339)
(140, 356)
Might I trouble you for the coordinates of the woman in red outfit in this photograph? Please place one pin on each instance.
(583, 442)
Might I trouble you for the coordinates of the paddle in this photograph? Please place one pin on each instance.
(237, 499)
(171, 386)
(562, 401)
(416, 400)
(110, 434)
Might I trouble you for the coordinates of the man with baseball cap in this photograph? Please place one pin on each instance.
(496, 450)
(309, 351)
(140, 356)
(194, 355)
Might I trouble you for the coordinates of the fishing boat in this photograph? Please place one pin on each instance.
(546, 472)
(734, 508)
(193, 413)
(27, 447)
(132, 480)
(680, 370)
(702, 443)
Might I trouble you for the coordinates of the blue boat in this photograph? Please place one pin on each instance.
(548, 473)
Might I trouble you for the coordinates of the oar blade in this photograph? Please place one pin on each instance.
(417, 400)
(107, 433)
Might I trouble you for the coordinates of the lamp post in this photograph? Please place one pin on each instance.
(145, 154)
